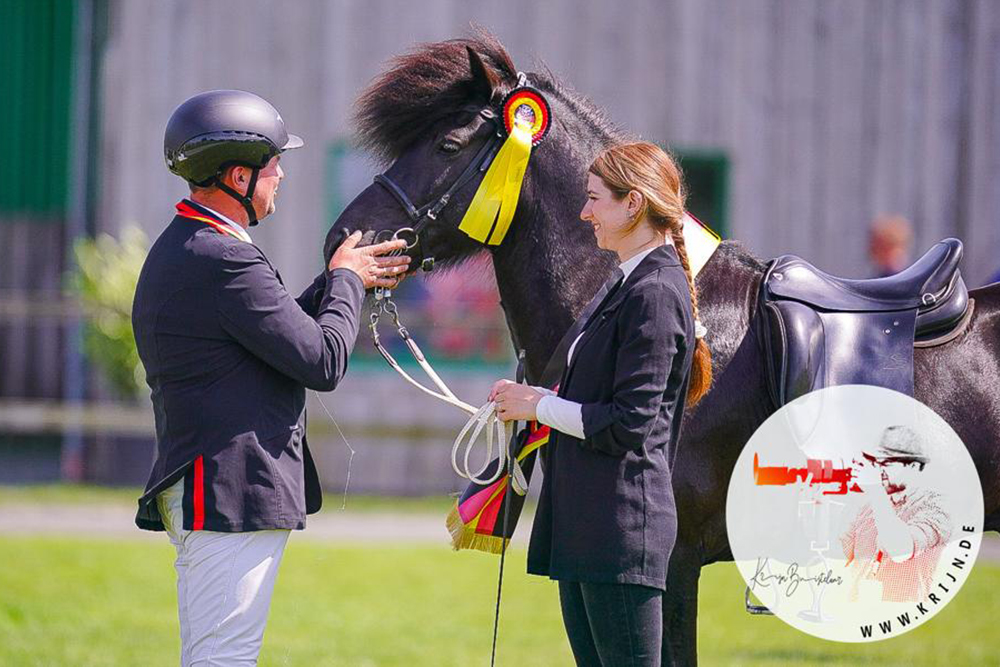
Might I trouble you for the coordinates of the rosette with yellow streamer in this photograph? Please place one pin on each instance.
(526, 117)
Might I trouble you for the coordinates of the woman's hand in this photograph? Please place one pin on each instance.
(514, 401)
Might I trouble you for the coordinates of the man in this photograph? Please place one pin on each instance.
(228, 354)
(897, 537)
(890, 238)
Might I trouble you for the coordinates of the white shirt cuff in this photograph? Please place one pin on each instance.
(560, 414)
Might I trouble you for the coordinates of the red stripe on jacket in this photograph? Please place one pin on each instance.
(199, 494)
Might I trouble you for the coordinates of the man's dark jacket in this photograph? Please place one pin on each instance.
(228, 354)
(606, 512)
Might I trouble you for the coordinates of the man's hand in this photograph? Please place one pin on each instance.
(369, 262)
(868, 478)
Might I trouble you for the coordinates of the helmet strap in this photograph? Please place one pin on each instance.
(245, 200)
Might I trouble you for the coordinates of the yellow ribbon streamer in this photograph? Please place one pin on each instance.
(496, 199)
(700, 242)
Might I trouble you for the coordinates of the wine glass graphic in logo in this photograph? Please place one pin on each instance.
(855, 513)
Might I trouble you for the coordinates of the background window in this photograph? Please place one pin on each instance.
(706, 173)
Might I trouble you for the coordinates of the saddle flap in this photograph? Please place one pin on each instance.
(808, 349)
(796, 344)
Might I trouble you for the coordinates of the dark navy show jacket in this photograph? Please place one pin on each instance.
(228, 354)
(606, 512)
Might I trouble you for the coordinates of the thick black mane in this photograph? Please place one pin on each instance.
(738, 253)
(433, 81)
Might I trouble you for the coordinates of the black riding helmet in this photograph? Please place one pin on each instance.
(214, 130)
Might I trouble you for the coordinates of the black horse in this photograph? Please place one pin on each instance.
(430, 113)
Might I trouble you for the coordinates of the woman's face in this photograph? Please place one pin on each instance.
(607, 215)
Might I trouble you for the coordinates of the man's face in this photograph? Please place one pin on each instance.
(897, 476)
(267, 187)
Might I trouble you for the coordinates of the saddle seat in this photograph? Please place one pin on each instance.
(933, 285)
(820, 330)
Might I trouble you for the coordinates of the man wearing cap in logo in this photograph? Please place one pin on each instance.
(897, 537)
(228, 354)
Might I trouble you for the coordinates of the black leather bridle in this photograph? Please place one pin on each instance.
(430, 211)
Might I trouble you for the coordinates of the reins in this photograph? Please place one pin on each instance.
(482, 419)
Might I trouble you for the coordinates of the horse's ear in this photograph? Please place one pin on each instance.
(484, 80)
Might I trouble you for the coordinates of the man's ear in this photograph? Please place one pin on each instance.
(484, 80)
(233, 174)
(240, 175)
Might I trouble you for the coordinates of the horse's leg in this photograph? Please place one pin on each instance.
(680, 608)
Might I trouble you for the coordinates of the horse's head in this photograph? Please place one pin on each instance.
(434, 115)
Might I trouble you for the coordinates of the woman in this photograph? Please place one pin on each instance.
(606, 521)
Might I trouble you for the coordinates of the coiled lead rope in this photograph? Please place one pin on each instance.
(481, 419)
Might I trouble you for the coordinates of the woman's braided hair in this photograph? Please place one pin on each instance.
(653, 173)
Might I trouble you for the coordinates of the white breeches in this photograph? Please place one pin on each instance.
(224, 587)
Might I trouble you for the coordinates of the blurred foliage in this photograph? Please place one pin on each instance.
(104, 278)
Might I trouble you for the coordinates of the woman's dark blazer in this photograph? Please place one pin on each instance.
(606, 512)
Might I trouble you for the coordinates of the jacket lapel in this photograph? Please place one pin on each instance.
(663, 256)
(557, 362)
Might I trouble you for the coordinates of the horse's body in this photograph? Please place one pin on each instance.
(959, 380)
(549, 266)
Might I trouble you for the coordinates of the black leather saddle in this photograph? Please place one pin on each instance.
(820, 330)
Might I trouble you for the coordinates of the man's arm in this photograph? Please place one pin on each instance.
(311, 296)
(255, 309)
(894, 536)
(930, 523)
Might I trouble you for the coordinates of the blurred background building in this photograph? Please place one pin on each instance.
(798, 123)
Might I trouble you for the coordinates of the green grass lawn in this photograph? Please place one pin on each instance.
(66, 601)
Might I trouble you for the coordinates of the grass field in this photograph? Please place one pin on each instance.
(101, 601)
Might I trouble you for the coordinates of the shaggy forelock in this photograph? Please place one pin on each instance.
(421, 87)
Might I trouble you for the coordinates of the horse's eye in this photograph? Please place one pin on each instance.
(450, 147)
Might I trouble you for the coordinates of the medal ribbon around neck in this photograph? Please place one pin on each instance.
(185, 210)
(526, 117)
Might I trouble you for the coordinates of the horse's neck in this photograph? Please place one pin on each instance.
(549, 267)
(543, 287)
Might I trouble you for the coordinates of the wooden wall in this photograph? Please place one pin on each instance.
(32, 311)
(832, 111)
